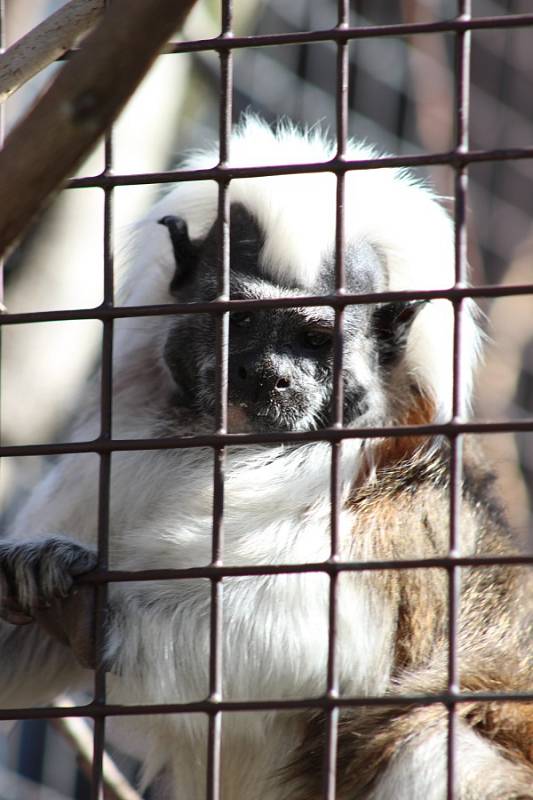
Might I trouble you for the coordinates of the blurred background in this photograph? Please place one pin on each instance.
(401, 95)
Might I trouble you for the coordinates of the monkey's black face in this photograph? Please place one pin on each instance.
(280, 372)
(280, 369)
(280, 361)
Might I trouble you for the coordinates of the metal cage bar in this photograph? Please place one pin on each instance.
(454, 25)
(221, 403)
(462, 87)
(459, 158)
(332, 682)
(104, 478)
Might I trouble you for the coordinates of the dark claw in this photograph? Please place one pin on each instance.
(33, 574)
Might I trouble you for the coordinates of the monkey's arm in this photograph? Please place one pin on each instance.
(47, 627)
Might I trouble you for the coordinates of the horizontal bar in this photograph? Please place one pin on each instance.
(103, 445)
(106, 312)
(453, 158)
(342, 34)
(213, 571)
(213, 706)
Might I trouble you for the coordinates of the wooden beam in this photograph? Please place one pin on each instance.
(45, 43)
(85, 98)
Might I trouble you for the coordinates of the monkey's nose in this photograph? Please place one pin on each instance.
(258, 383)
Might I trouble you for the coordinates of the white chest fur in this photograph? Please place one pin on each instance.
(275, 627)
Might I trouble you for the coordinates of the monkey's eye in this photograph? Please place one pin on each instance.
(316, 339)
(241, 319)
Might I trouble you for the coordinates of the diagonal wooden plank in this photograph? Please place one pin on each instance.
(87, 95)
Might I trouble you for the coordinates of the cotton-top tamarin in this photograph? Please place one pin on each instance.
(392, 635)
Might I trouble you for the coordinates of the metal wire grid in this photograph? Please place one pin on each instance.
(459, 159)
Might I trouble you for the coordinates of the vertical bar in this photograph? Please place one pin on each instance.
(221, 406)
(104, 488)
(2, 135)
(462, 96)
(341, 88)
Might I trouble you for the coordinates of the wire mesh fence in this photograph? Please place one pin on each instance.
(391, 105)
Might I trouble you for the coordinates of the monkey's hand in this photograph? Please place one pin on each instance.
(37, 585)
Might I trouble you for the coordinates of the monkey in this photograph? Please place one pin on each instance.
(391, 624)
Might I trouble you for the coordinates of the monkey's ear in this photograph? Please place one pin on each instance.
(392, 323)
(185, 252)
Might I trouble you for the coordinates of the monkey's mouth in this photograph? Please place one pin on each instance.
(265, 417)
(238, 419)
(294, 410)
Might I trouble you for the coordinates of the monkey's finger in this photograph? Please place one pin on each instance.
(10, 609)
(61, 560)
(8, 587)
(24, 566)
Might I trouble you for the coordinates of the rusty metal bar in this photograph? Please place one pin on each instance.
(228, 439)
(462, 110)
(456, 25)
(214, 743)
(332, 684)
(104, 479)
(104, 312)
(330, 567)
(450, 157)
(208, 706)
